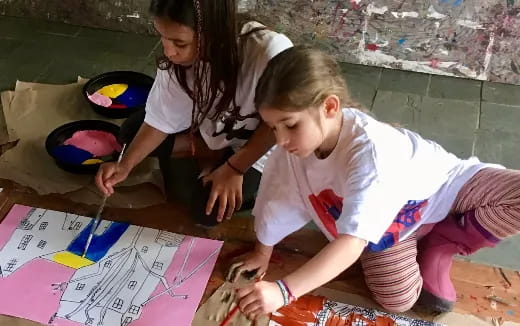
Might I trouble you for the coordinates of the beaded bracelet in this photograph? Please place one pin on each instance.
(291, 297)
(234, 168)
(284, 292)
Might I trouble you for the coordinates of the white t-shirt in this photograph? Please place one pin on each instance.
(169, 107)
(379, 184)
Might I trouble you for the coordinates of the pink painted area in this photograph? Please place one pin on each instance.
(27, 293)
(11, 221)
(99, 143)
(100, 99)
(166, 310)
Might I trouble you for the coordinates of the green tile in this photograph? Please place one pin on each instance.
(362, 82)
(497, 146)
(506, 254)
(455, 88)
(150, 68)
(67, 71)
(121, 42)
(31, 29)
(500, 117)
(501, 93)
(7, 46)
(22, 68)
(404, 81)
(397, 108)
(117, 61)
(369, 75)
(445, 116)
(460, 145)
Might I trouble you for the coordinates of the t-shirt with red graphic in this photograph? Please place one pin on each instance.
(380, 183)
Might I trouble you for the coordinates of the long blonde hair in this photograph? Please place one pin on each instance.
(300, 78)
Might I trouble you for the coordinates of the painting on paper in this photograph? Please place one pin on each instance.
(130, 276)
(311, 310)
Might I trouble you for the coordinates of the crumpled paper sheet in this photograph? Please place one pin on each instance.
(34, 110)
(218, 306)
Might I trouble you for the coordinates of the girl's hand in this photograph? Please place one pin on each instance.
(254, 262)
(227, 188)
(110, 174)
(259, 298)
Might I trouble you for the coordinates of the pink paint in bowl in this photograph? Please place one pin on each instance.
(99, 143)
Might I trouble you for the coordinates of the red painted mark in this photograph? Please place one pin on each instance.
(473, 297)
(117, 106)
(341, 23)
(233, 312)
(372, 47)
(336, 12)
(354, 5)
(434, 63)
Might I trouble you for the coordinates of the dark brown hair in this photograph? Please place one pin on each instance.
(300, 78)
(218, 60)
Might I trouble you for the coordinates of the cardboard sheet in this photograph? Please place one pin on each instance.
(31, 112)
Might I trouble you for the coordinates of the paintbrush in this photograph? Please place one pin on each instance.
(100, 210)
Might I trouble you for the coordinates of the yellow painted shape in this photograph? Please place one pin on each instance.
(92, 161)
(71, 260)
(113, 90)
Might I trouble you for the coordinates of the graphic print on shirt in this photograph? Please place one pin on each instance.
(229, 119)
(328, 206)
(407, 217)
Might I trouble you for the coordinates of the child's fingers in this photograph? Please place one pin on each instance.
(230, 208)
(232, 274)
(252, 307)
(211, 201)
(248, 300)
(222, 207)
(99, 182)
(238, 198)
(255, 314)
(241, 293)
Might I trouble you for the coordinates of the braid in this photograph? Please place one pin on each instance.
(200, 84)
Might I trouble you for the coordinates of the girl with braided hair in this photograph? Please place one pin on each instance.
(201, 104)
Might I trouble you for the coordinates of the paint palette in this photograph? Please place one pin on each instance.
(118, 94)
(81, 146)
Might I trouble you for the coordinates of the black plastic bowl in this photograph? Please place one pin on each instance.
(61, 134)
(115, 77)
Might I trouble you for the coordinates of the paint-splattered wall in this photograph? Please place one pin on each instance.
(477, 39)
(468, 38)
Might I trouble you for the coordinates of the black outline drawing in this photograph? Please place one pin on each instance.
(113, 273)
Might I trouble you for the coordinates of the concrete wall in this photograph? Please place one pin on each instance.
(478, 39)
(121, 15)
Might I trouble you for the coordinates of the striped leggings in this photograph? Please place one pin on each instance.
(393, 275)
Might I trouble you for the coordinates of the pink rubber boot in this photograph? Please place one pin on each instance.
(454, 235)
